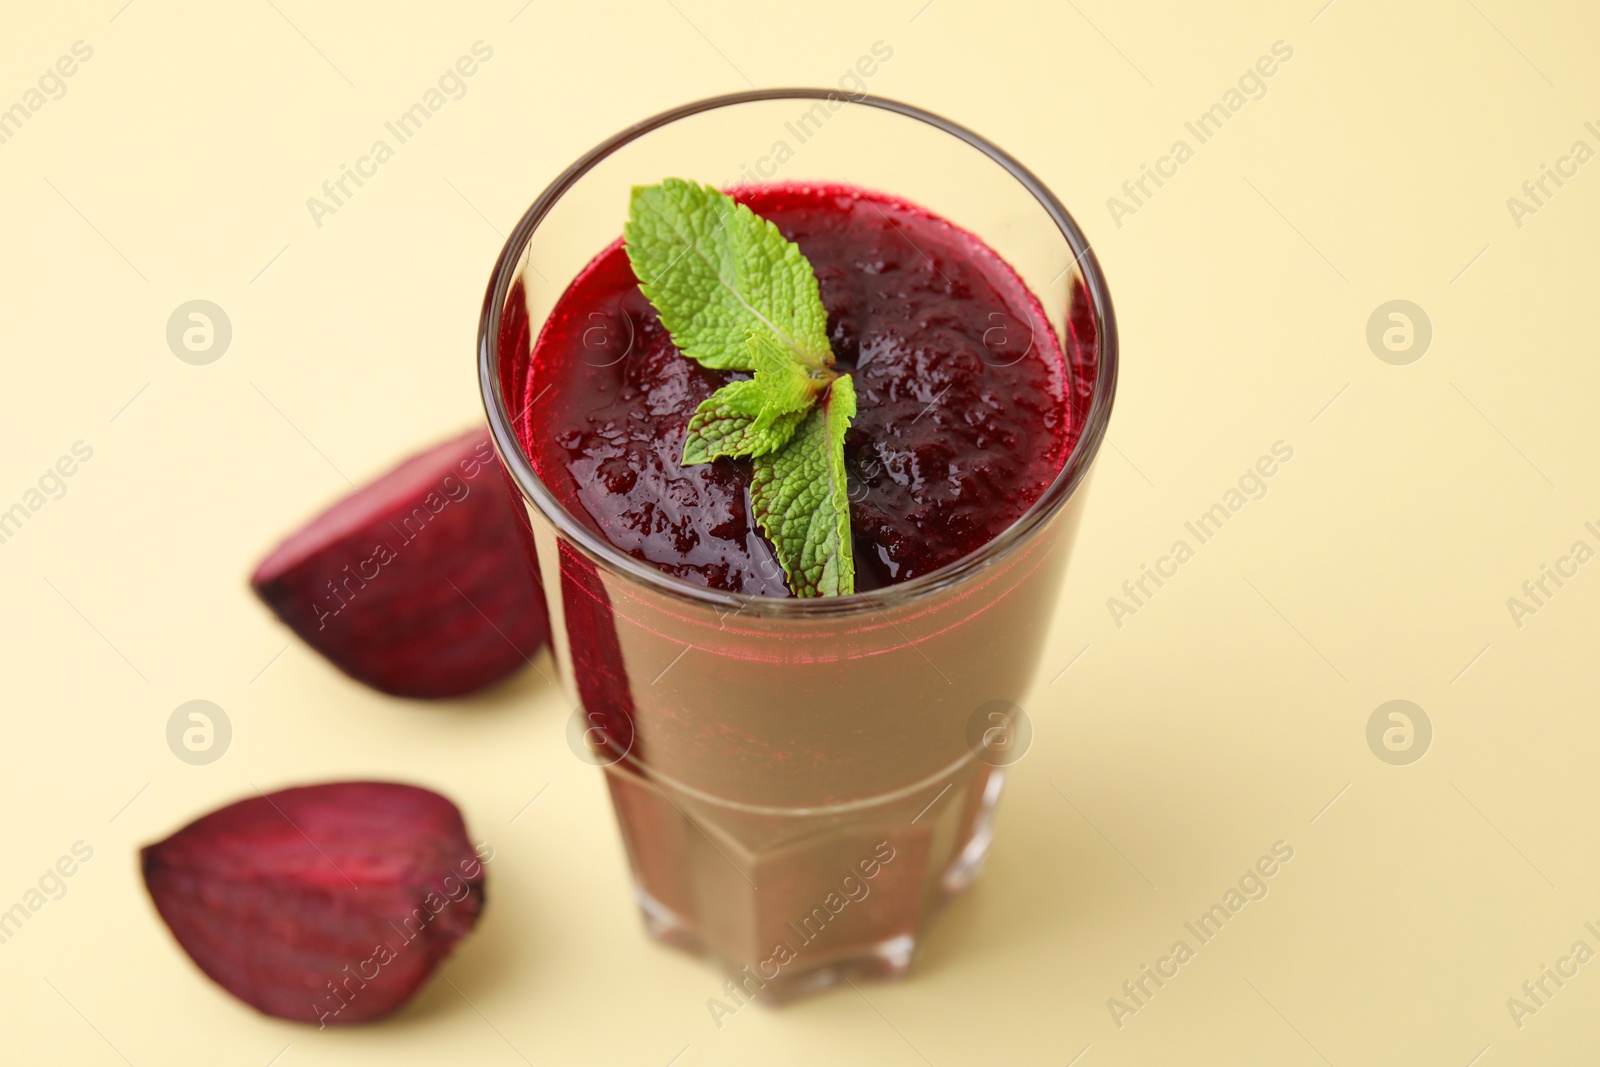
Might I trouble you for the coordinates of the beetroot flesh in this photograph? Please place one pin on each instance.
(421, 584)
(328, 904)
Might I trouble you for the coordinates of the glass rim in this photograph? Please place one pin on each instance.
(603, 553)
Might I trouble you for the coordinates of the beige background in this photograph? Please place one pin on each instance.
(1228, 714)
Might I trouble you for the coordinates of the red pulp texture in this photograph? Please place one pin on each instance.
(967, 408)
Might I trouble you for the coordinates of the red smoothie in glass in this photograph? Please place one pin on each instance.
(798, 796)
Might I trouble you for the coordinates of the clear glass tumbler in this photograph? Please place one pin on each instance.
(800, 783)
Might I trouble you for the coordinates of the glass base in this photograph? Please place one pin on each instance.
(780, 918)
(884, 960)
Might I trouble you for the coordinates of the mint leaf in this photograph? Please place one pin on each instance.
(716, 272)
(755, 417)
(801, 500)
(733, 421)
(787, 385)
(736, 295)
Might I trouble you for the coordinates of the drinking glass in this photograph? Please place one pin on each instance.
(800, 783)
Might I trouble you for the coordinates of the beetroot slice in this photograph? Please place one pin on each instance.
(328, 904)
(421, 584)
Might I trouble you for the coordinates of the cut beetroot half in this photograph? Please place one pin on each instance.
(328, 904)
(421, 584)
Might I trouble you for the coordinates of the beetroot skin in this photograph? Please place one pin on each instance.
(422, 584)
(328, 903)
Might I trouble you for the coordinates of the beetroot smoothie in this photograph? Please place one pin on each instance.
(798, 793)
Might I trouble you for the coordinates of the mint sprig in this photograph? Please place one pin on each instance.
(735, 294)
